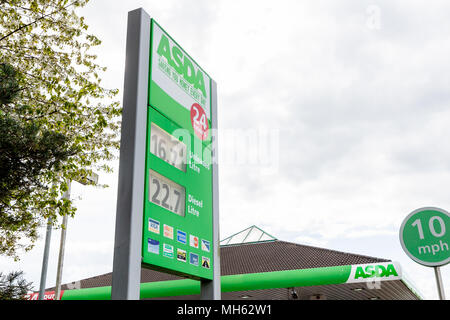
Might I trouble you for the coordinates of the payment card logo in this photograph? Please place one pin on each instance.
(153, 226)
(168, 251)
(205, 245)
(153, 246)
(193, 241)
(168, 231)
(205, 262)
(181, 255)
(193, 259)
(181, 236)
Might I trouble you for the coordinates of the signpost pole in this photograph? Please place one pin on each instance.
(62, 246)
(210, 290)
(440, 286)
(48, 236)
(130, 198)
(93, 178)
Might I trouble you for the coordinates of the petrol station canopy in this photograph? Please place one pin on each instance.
(257, 266)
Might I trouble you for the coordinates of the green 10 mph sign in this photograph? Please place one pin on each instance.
(425, 236)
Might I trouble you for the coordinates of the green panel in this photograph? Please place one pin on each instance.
(172, 109)
(286, 279)
(169, 289)
(197, 180)
(100, 293)
(255, 281)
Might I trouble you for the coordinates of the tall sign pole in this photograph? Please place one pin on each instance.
(211, 290)
(48, 236)
(93, 178)
(127, 246)
(440, 286)
(62, 246)
(425, 238)
(167, 207)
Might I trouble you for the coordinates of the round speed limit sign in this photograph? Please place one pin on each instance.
(425, 236)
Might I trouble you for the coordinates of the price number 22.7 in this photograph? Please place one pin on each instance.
(167, 194)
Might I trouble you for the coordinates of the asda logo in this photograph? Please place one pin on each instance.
(374, 272)
(182, 64)
(378, 271)
(177, 75)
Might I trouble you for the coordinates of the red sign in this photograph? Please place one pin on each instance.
(49, 295)
(199, 121)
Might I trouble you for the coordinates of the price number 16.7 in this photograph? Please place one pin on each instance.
(167, 148)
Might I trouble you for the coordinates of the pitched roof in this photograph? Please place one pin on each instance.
(281, 255)
(250, 235)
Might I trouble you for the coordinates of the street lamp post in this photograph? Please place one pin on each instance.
(91, 179)
(48, 236)
(62, 245)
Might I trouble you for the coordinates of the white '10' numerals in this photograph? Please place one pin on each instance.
(418, 223)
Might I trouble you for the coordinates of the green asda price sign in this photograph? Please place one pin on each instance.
(425, 236)
(177, 228)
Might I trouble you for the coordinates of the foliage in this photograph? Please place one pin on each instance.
(59, 101)
(26, 151)
(13, 286)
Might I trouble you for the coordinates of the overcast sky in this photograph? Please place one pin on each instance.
(357, 94)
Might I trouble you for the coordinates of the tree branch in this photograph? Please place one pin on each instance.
(39, 19)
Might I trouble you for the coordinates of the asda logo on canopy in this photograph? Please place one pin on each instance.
(377, 271)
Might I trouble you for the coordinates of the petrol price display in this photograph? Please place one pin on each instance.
(167, 194)
(167, 147)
